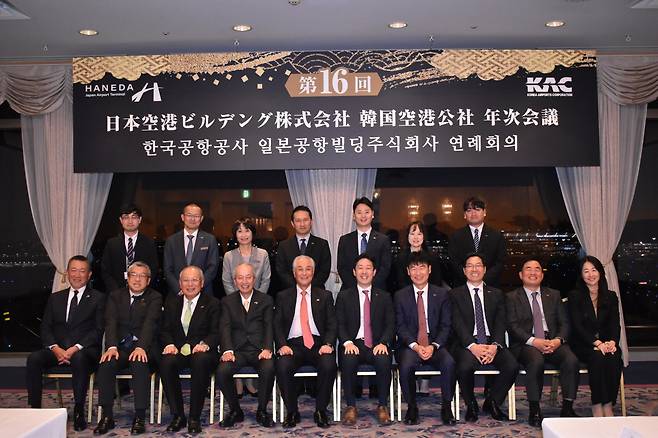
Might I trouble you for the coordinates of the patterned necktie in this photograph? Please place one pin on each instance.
(245, 304)
(476, 239)
(130, 253)
(190, 250)
(364, 243)
(537, 317)
(367, 328)
(302, 247)
(306, 326)
(422, 338)
(73, 306)
(481, 334)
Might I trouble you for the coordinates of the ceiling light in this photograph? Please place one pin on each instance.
(242, 28)
(555, 23)
(397, 25)
(88, 32)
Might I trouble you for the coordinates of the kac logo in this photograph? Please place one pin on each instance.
(549, 86)
(155, 89)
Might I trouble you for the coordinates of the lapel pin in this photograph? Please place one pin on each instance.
(255, 302)
(317, 299)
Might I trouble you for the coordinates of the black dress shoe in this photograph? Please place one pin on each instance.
(138, 427)
(79, 422)
(568, 413)
(232, 418)
(291, 420)
(177, 423)
(411, 417)
(495, 411)
(535, 418)
(321, 419)
(104, 426)
(471, 412)
(194, 426)
(264, 419)
(447, 416)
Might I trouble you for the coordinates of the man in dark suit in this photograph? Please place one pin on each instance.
(128, 247)
(191, 247)
(303, 243)
(305, 334)
(71, 332)
(366, 328)
(246, 339)
(190, 335)
(132, 315)
(423, 318)
(538, 330)
(364, 240)
(478, 237)
(478, 324)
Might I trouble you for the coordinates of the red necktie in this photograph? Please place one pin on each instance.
(367, 329)
(423, 340)
(306, 327)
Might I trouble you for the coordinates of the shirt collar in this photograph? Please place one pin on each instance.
(361, 289)
(472, 228)
(194, 233)
(416, 290)
(299, 289)
(471, 286)
(194, 300)
(133, 237)
(243, 299)
(305, 236)
(529, 292)
(80, 291)
(134, 295)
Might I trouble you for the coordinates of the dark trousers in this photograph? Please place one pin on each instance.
(286, 366)
(533, 362)
(83, 363)
(604, 373)
(107, 374)
(201, 366)
(467, 364)
(265, 369)
(409, 361)
(349, 364)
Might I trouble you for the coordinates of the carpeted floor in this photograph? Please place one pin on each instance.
(640, 399)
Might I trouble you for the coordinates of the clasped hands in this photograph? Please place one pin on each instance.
(484, 353)
(424, 352)
(64, 356)
(546, 346)
(607, 347)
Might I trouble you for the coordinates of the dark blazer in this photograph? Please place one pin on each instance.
(382, 316)
(588, 326)
(492, 247)
(86, 324)
(439, 316)
(142, 321)
(316, 248)
(204, 325)
(113, 263)
(463, 316)
(253, 330)
(379, 248)
(519, 316)
(206, 257)
(402, 277)
(324, 315)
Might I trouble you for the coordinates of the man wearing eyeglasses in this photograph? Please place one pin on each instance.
(191, 247)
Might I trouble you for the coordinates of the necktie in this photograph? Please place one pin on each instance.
(367, 328)
(135, 299)
(422, 338)
(187, 317)
(364, 243)
(537, 317)
(190, 250)
(481, 334)
(476, 239)
(302, 247)
(73, 306)
(130, 253)
(245, 304)
(306, 327)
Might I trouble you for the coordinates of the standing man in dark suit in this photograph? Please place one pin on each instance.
(132, 315)
(191, 247)
(128, 247)
(366, 327)
(423, 318)
(363, 240)
(538, 331)
(246, 339)
(303, 243)
(71, 332)
(478, 324)
(190, 335)
(305, 334)
(478, 237)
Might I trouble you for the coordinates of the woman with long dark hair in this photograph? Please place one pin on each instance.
(415, 242)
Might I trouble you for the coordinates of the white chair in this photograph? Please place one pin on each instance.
(60, 372)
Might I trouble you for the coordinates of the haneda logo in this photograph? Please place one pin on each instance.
(549, 86)
(155, 89)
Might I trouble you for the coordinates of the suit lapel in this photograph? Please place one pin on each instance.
(316, 308)
(489, 307)
(199, 312)
(200, 241)
(468, 302)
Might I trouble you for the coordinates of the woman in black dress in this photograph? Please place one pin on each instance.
(415, 242)
(594, 312)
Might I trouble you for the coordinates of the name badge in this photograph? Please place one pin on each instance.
(125, 275)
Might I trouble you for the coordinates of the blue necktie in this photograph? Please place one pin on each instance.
(364, 243)
(302, 247)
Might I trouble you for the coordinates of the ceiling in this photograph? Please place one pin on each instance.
(183, 26)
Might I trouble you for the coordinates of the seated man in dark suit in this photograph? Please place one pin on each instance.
(132, 315)
(538, 331)
(478, 324)
(366, 327)
(305, 334)
(423, 319)
(190, 335)
(246, 339)
(71, 332)
(303, 243)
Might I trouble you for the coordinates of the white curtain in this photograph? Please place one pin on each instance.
(66, 207)
(598, 199)
(329, 193)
